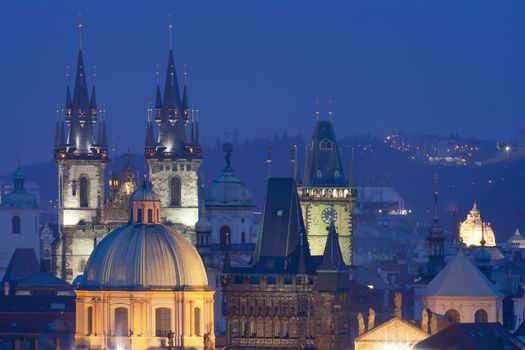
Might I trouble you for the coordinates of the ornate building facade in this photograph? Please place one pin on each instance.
(325, 194)
(287, 298)
(144, 287)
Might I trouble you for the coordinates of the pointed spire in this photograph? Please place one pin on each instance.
(69, 103)
(185, 105)
(102, 136)
(436, 179)
(197, 131)
(150, 137)
(63, 134)
(351, 171)
(158, 98)
(332, 256)
(192, 138)
(171, 99)
(58, 138)
(302, 264)
(93, 103)
(293, 161)
(80, 94)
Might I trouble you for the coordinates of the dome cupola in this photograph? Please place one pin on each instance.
(145, 206)
(227, 189)
(144, 254)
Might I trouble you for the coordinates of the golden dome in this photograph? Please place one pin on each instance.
(470, 230)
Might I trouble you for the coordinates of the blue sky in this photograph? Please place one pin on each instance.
(259, 66)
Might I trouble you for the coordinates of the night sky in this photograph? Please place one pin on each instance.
(259, 66)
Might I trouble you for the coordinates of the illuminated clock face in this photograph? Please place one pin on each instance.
(328, 215)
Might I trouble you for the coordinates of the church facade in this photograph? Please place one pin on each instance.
(144, 287)
(90, 203)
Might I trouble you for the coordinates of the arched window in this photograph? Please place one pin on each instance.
(197, 321)
(253, 328)
(276, 328)
(285, 328)
(243, 237)
(121, 321)
(452, 315)
(319, 173)
(325, 145)
(150, 216)
(139, 215)
(84, 192)
(175, 192)
(15, 224)
(162, 321)
(481, 316)
(244, 328)
(89, 321)
(225, 236)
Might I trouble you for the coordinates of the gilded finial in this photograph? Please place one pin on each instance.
(318, 110)
(330, 113)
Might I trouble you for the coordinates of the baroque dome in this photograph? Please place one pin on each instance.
(471, 229)
(19, 197)
(144, 255)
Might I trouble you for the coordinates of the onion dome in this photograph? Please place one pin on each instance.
(144, 254)
(227, 189)
(19, 197)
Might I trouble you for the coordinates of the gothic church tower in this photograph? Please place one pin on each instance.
(81, 158)
(174, 156)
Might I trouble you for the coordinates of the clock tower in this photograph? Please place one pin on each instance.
(325, 194)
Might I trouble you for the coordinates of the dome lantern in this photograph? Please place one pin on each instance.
(145, 206)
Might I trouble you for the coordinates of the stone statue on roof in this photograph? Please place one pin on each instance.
(371, 318)
(360, 323)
